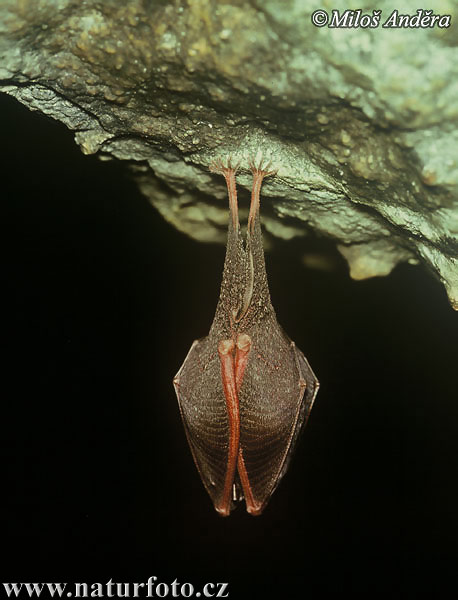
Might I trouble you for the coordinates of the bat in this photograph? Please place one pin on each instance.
(245, 390)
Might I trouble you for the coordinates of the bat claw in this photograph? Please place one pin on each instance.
(224, 166)
(262, 167)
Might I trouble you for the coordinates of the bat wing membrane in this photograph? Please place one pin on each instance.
(203, 409)
(276, 397)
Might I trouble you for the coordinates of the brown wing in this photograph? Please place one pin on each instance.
(276, 396)
(203, 409)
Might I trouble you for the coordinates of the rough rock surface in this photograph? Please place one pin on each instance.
(361, 123)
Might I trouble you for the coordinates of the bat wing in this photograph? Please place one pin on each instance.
(203, 409)
(276, 397)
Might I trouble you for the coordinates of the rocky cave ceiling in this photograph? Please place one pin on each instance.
(360, 122)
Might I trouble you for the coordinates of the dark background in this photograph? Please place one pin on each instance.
(103, 299)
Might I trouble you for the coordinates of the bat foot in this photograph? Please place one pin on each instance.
(224, 167)
(262, 167)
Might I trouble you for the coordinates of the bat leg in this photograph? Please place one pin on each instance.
(243, 348)
(229, 172)
(225, 352)
(259, 171)
(253, 507)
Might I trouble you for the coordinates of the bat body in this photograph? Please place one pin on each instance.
(245, 390)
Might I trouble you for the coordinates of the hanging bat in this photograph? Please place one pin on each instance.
(245, 390)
